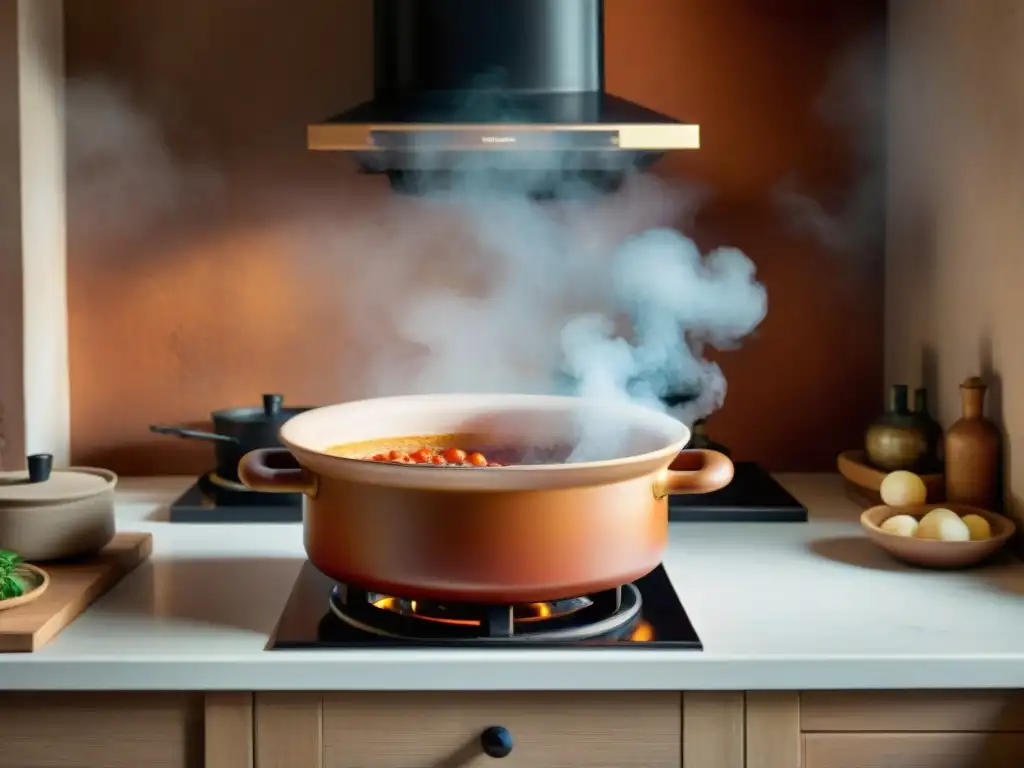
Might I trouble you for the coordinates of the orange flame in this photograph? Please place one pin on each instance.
(642, 633)
(523, 613)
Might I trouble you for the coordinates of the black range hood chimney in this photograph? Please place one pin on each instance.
(502, 87)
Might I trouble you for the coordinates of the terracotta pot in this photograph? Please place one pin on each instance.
(498, 535)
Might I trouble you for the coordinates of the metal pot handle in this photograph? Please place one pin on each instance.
(193, 434)
(694, 471)
(274, 470)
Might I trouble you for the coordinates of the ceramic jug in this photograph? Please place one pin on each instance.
(896, 439)
(972, 451)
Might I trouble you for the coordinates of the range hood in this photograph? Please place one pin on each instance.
(498, 85)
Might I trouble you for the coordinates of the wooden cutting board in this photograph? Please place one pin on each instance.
(74, 585)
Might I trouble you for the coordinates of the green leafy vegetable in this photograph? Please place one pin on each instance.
(11, 585)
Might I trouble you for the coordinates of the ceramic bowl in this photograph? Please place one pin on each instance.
(930, 553)
(36, 582)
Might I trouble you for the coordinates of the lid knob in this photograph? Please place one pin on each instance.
(39, 467)
(272, 404)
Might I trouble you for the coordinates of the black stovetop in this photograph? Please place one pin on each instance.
(206, 502)
(309, 624)
(753, 496)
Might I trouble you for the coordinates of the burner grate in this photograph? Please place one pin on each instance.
(310, 622)
(584, 618)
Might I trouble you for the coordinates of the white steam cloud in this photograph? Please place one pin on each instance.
(853, 104)
(677, 302)
(592, 292)
(586, 293)
(126, 180)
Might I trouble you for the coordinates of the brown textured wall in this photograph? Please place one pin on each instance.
(954, 265)
(201, 301)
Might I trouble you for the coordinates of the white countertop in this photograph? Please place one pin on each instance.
(778, 606)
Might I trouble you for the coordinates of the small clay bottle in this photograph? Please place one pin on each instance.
(972, 452)
(931, 428)
(896, 440)
(700, 439)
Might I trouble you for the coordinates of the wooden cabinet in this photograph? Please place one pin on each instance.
(536, 730)
(911, 711)
(935, 729)
(421, 730)
(101, 730)
(913, 750)
(911, 729)
(126, 730)
(885, 729)
(548, 729)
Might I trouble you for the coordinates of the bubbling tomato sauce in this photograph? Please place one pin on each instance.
(449, 451)
(447, 457)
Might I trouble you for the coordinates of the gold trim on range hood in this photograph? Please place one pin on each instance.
(461, 137)
(523, 81)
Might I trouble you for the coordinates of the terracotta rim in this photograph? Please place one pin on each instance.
(43, 583)
(643, 414)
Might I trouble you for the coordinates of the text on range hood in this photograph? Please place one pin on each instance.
(522, 78)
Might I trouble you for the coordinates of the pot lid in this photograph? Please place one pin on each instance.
(271, 411)
(39, 484)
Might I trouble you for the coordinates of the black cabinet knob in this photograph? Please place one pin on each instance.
(496, 741)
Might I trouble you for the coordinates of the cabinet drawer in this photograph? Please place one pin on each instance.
(548, 730)
(894, 711)
(114, 730)
(913, 750)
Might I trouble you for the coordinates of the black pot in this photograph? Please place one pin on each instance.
(236, 431)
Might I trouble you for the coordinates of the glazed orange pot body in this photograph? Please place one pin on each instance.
(512, 534)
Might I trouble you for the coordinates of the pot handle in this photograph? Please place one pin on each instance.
(695, 471)
(193, 434)
(274, 470)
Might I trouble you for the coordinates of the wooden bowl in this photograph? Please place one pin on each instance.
(36, 582)
(864, 481)
(929, 552)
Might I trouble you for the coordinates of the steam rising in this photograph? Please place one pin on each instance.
(573, 305)
(853, 104)
(124, 174)
(590, 293)
(676, 302)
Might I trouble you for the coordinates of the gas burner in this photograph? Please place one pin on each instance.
(604, 614)
(321, 614)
